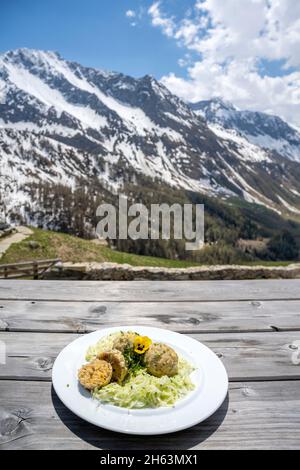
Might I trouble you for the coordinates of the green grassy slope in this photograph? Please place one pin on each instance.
(74, 249)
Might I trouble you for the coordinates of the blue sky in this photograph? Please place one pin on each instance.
(245, 51)
(92, 32)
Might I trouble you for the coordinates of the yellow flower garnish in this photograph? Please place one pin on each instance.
(141, 344)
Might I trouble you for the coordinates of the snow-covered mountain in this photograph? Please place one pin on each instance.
(61, 122)
(261, 129)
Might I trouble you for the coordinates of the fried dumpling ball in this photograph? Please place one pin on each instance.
(117, 361)
(96, 374)
(161, 360)
(124, 341)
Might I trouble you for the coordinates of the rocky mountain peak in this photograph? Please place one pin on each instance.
(262, 129)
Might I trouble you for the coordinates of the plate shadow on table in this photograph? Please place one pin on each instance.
(109, 440)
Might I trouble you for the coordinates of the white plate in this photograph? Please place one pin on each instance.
(210, 379)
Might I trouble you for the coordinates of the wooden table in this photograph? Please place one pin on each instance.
(253, 326)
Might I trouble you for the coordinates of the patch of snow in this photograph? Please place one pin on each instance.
(294, 191)
(200, 113)
(280, 146)
(2, 92)
(175, 118)
(246, 150)
(159, 89)
(171, 134)
(289, 206)
(250, 194)
(42, 129)
(124, 86)
(50, 97)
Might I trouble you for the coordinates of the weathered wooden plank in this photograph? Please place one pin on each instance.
(39, 262)
(247, 356)
(73, 317)
(162, 291)
(256, 416)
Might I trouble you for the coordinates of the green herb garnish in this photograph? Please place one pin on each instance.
(134, 361)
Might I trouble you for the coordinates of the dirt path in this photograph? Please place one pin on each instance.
(22, 233)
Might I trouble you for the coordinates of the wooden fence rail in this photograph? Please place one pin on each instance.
(35, 269)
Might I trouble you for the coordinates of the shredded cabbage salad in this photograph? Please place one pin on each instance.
(104, 344)
(140, 389)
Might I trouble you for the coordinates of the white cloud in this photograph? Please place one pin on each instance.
(135, 16)
(230, 39)
(185, 61)
(158, 19)
(130, 14)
